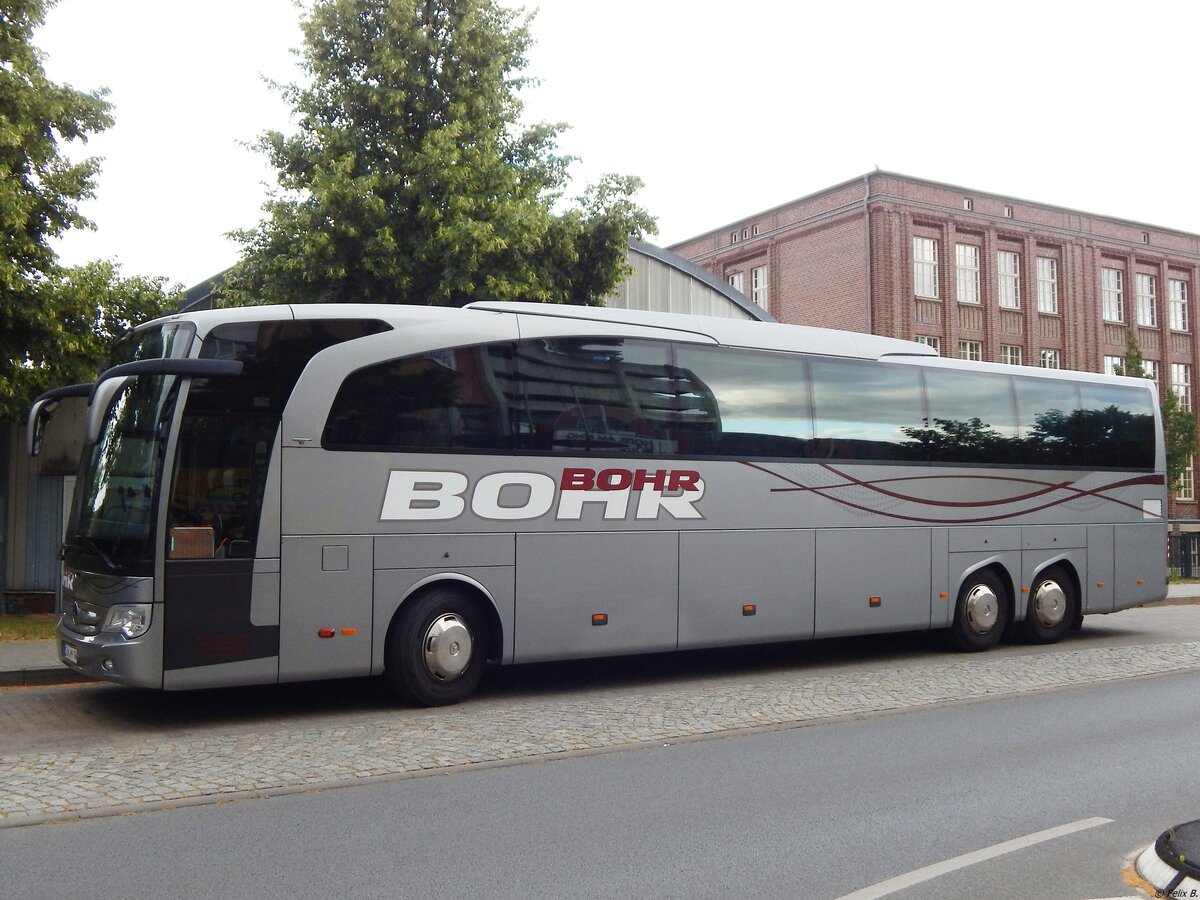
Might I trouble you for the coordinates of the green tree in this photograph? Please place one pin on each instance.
(410, 179)
(93, 305)
(1179, 422)
(55, 323)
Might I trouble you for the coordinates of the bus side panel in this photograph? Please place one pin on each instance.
(872, 580)
(1140, 564)
(721, 572)
(326, 584)
(1098, 581)
(565, 580)
(941, 592)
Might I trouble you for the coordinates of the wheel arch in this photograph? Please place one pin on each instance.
(1000, 570)
(469, 587)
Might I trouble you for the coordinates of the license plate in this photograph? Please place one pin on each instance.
(70, 654)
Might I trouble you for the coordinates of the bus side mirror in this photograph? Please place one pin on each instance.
(43, 409)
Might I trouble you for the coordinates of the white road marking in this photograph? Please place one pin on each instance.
(926, 873)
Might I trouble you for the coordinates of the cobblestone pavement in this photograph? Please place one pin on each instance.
(95, 775)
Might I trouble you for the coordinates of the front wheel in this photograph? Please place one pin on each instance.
(1052, 608)
(981, 613)
(435, 651)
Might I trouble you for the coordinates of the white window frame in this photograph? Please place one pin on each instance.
(925, 269)
(1112, 363)
(1049, 359)
(1151, 369)
(1186, 488)
(1181, 383)
(1145, 293)
(758, 286)
(1008, 278)
(1177, 293)
(736, 281)
(1047, 284)
(1010, 354)
(930, 341)
(970, 350)
(1112, 294)
(966, 269)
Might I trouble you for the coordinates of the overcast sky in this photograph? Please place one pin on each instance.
(723, 108)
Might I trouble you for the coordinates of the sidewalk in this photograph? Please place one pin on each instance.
(25, 663)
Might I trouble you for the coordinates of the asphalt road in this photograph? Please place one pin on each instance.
(818, 811)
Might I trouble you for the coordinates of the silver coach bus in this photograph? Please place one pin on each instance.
(300, 492)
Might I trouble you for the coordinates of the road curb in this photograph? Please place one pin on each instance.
(41, 677)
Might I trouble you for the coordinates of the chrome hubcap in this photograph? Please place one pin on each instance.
(982, 609)
(1050, 603)
(448, 647)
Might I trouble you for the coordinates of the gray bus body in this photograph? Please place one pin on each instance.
(416, 491)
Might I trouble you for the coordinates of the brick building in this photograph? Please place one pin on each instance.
(973, 274)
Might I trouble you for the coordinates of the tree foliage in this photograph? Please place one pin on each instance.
(410, 178)
(55, 323)
(1179, 422)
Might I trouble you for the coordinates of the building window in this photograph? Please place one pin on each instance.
(966, 267)
(1112, 294)
(1178, 298)
(1010, 354)
(745, 233)
(970, 350)
(1008, 266)
(1145, 237)
(754, 230)
(1049, 359)
(1008, 212)
(1150, 369)
(1181, 383)
(736, 281)
(968, 204)
(1185, 489)
(1047, 284)
(1144, 291)
(925, 276)
(758, 286)
(733, 238)
(1112, 364)
(930, 341)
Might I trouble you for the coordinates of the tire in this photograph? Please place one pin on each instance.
(1052, 609)
(436, 651)
(980, 614)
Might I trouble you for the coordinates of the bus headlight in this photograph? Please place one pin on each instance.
(131, 620)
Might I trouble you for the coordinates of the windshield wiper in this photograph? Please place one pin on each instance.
(83, 542)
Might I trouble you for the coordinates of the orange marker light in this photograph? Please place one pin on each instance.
(600, 619)
(1024, 590)
(749, 609)
(1141, 581)
(875, 601)
(944, 596)
(326, 632)
(349, 631)
(1100, 584)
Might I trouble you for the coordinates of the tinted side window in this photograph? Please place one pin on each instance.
(760, 398)
(972, 417)
(1118, 425)
(445, 399)
(1051, 426)
(866, 410)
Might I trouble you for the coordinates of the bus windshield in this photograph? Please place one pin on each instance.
(116, 493)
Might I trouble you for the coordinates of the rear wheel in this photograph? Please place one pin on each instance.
(1052, 607)
(980, 614)
(435, 651)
